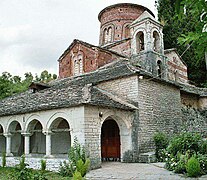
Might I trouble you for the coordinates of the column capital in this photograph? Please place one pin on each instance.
(8, 134)
(26, 134)
(47, 132)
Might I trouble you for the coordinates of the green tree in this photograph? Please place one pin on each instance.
(176, 26)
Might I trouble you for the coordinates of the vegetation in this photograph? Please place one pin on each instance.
(186, 153)
(3, 159)
(183, 31)
(78, 162)
(161, 142)
(10, 85)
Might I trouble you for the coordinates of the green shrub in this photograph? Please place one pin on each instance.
(77, 161)
(203, 147)
(21, 170)
(185, 142)
(3, 159)
(203, 162)
(180, 166)
(77, 176)
(82, 167)
(65, 169)
(193, 167)
(43, 165)
(161, 142)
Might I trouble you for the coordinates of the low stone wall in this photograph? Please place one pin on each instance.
(194, 120)
(52, 164)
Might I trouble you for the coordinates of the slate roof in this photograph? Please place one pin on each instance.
(70, 92)
(80, 90)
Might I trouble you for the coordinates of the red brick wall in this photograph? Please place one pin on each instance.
(93, 58)
(118, 16)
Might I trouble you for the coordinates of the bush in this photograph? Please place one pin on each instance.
(203, 147)
(3, 159)
(82, 167)
(185, 142)
(161, 142)
(193, 167)
(77, 161)
(203, 162)
(65, 169)
(77, 176)
(43, 165)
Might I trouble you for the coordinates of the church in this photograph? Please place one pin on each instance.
(113, 97)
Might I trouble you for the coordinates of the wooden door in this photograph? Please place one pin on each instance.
(110, 141)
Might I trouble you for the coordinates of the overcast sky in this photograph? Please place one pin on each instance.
(34, 33)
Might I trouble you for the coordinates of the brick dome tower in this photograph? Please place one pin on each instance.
(115, 20)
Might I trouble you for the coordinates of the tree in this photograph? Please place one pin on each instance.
(176, 26)
(10, 85)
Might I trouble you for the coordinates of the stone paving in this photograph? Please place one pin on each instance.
(134, 171)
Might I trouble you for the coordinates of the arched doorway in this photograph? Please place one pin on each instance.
(61, 138)
(37, 139)
(17, 140)
(2, 141)
(110, 141)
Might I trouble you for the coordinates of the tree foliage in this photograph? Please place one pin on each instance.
(10, 85)
(183, 31)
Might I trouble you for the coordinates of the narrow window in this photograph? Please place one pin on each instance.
(109, 34)
(127, 31)
(159, 68)
(156, 43)
(140, 41)
(105, 37)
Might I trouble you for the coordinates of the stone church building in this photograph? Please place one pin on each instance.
(113, 97)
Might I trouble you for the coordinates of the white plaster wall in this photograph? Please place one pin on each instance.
(74, 116)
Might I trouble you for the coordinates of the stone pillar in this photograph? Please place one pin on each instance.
(48, 143)
(26, 143)
(8, 144)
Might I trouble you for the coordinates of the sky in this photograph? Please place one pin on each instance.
(34, 33)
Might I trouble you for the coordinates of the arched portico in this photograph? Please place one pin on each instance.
(2, 140)
(60, 136)
(36, 137)
(16, 141)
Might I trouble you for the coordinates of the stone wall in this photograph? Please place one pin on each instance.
(190, 100)
(35, 163)
(93, 124)
(126, 87)
(159, 110)
(194, 120)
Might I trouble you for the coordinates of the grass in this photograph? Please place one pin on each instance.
(6, 174)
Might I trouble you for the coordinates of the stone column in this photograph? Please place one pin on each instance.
(48, 143)
(26, 143)
(8, 144)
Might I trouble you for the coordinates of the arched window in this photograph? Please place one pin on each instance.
(159, 68)
(127, 31)
(140, 41)
(78, 64)
(109, 34)
(105, 38)
(156, 43)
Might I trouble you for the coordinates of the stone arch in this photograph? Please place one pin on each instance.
(11, 123)
(108, 34)
(60, 136)
(124, 128)
(2, 140)
(140, 41)
(31, 118)
(156, 41)
(17, 140)
(126, 30)
(37, 139)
